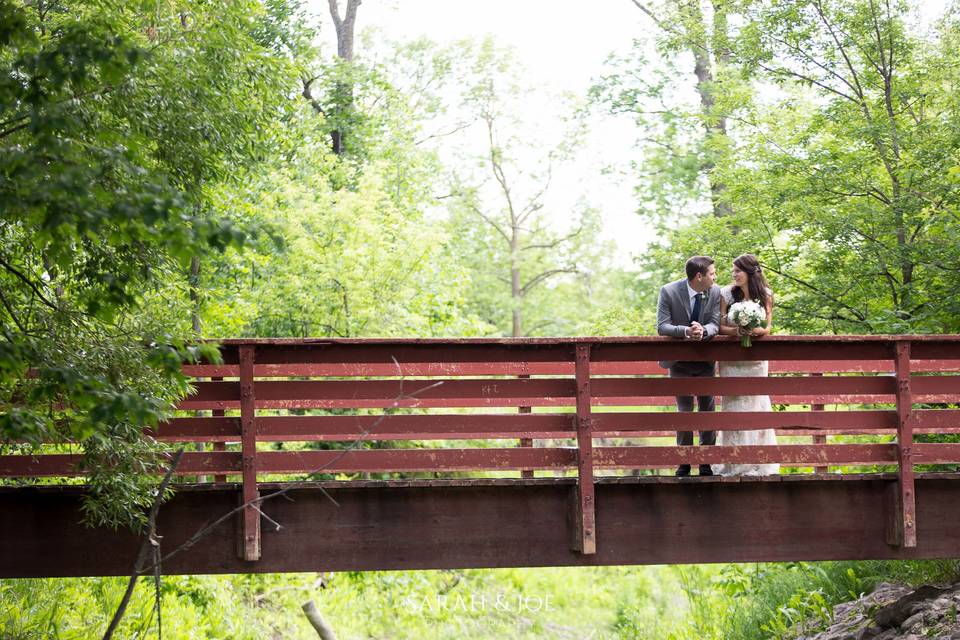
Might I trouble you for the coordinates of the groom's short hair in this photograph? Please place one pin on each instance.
(698, 264)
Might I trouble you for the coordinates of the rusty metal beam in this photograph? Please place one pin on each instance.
(586, 527)
(907, 531)
(493, 523)
(249, 541)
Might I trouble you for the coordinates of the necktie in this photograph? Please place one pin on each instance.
(695, 314)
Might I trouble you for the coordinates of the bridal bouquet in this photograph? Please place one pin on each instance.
(748, 315)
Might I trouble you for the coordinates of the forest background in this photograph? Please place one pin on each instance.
(175, 170)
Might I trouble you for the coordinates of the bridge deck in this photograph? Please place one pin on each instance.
(413, 406)
(495, 523)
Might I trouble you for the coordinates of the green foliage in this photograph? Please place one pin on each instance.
(835, 162)
(114, 125)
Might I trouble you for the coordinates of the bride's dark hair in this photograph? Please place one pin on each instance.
(756, 283)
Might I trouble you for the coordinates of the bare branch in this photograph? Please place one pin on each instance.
(843, 51)
(817, 290)
(498, 172)
(554, 244)
(308, 94)
(9, 267)
(493, 223)
(13, 315)
(534, 204)
(783, 71)
(457, 129)
(813, 60)
(543, 276)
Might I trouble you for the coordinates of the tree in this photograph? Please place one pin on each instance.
(684, 139)
(114, 124)
(501, 207)
(357, 253)
(860, 177)
(838, 173)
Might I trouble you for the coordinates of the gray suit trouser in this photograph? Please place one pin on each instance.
(685, 403)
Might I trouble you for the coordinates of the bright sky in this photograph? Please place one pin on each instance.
(562, 44)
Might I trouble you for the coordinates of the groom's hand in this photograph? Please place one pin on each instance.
(695, 332)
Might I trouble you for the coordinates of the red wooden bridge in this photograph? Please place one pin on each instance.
(524, 452)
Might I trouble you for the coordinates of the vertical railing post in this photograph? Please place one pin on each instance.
(819, 439)
(586, 533)
(250, 527)
(906, 527)
(219, 445)
(525, 442)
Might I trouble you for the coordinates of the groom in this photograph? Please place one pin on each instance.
(690, 309)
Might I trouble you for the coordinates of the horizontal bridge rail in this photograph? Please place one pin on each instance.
(578, 406)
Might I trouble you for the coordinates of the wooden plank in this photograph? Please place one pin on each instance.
(400, 460)
(794, 455)
(819, 439)
(416, 427)
(412, 351)
(526, 442)
(743, 420)
(787, 386)
(613, 401)
(444, 369)
(249, 544)
(218, 444)
(934, 385)
(207, 429)
(40, 465)
(520, 392)
(586, 541)
(725, 348)
(936, 453)
(68, 464)
(907, 496)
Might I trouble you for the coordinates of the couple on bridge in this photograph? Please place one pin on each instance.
(695, 308)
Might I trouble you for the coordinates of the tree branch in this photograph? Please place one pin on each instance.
(490, 221)
(6, 265)
(554, 244)
(150, 542)
(543, 276)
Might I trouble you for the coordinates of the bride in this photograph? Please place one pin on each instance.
(748, 284)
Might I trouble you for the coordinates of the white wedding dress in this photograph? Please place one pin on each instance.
(736, 369)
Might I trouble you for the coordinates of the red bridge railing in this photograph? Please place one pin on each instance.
(580, 391)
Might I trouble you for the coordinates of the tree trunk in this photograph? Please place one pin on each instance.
(194, 282)
(516, 296)
(713, 125)
(344, 27)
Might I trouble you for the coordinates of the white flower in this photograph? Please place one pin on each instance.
(747, 314)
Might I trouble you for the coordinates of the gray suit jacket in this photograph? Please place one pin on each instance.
(673, 312)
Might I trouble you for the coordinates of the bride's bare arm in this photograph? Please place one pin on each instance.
(725, 328)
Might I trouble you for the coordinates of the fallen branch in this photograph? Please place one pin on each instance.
(150, 543)
(317, 622)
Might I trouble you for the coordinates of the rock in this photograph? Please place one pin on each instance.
(928, 612)
(913, 621)
(895, 614)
